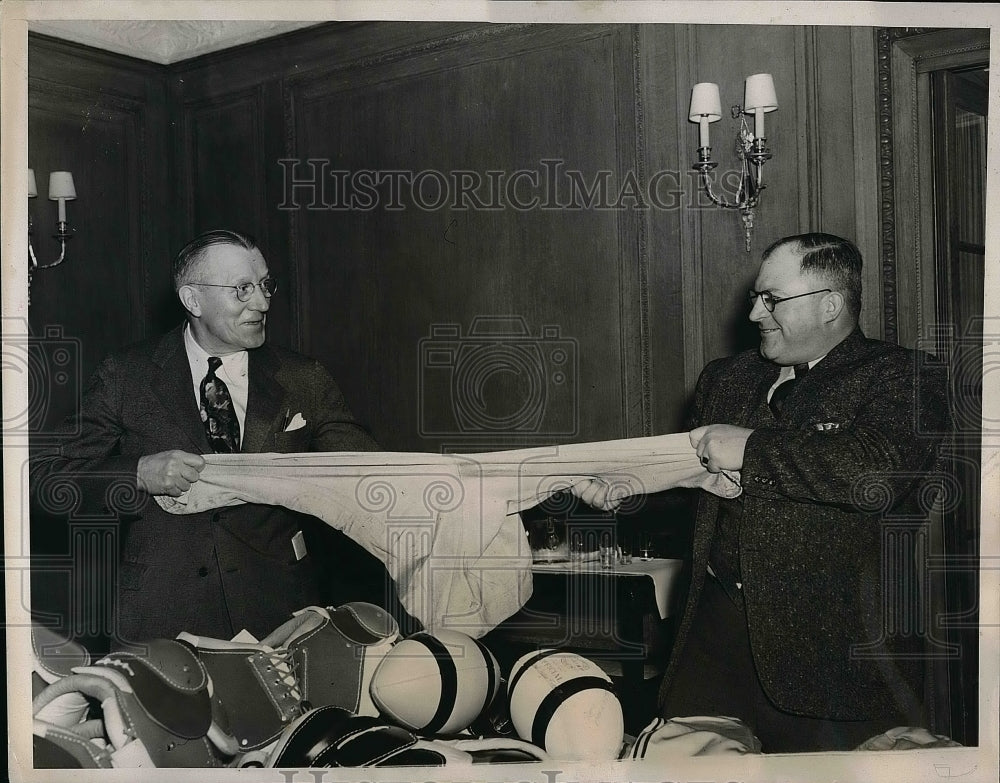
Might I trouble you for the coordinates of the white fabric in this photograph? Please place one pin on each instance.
(700, 735)
(445, 525)
(663, 571)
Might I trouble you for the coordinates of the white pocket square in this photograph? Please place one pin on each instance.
(296, 423)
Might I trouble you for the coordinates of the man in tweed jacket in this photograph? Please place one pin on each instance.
(214, 573)
(789, 624)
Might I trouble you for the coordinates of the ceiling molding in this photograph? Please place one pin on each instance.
(163, 42)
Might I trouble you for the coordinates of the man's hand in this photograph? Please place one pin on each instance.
(720, 446)
(598, 494)
(168, 472)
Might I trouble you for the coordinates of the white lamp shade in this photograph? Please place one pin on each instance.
(61, 186)
(32, 187)
(759, 93)
(705, 102)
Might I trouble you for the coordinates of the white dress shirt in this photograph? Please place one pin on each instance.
(233, 372)
(787, 373)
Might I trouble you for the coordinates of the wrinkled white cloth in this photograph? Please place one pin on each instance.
(445, 525)
(700, 735)
(908, 738)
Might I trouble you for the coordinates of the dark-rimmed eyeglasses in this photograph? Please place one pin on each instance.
(245, 290)
(769, 300)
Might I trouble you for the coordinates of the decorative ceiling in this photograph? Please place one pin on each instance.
(163, 42)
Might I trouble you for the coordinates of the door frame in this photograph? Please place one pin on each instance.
(907, 59)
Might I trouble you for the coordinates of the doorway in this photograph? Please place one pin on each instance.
(931, 99)
(959, 106)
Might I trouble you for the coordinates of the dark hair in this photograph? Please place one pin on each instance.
(194, 250)
(836, 258)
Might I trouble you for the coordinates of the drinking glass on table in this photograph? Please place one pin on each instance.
(609, 551)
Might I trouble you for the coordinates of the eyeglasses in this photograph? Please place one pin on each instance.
(244, 291)
(769, 300)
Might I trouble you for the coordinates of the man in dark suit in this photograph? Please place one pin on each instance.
(150, 412)
(791, 623)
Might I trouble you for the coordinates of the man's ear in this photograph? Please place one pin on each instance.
(189, 299)
(833, 305)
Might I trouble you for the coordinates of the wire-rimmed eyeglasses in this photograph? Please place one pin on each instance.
(245, 290)
(769, 300)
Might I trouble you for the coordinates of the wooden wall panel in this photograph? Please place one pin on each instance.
(726, 55)
(379, 282)
(673, 268)
(100, 117)
(103, 118)
(810, 181)
(225, 149)
(652, 293)
(226, 159)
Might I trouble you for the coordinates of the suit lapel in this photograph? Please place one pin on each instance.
(800, 405)
(264, 399)
(174, 387)
(756, 413)
(846, 351)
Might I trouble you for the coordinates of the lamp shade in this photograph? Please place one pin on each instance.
(61, 186)
(32, 187)
(705, 102)
(759, 93)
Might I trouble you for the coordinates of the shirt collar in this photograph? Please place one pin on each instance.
(788, 370)
(234, 361)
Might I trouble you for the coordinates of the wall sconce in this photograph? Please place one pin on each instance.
(61, 189)
(751, 148)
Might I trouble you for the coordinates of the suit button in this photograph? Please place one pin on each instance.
(203, 571)
(215, 516)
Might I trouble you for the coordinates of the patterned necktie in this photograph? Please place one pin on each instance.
(781, 392)
(217, 413)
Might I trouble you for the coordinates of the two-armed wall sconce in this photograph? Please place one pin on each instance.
(706, 107)
(61, 189)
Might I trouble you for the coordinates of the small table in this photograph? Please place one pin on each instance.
(665, 574)
(623, 618)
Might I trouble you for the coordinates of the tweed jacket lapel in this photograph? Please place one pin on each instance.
(846, 351)
(810, 396)
(742, 401)
(174, 387)
(747, 409)
(263, 399)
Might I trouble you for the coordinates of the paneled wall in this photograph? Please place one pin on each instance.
(103, 118)
(821, 176)
(535, 178)
(384, 281)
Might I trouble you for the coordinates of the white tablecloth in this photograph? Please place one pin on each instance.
(664, 572)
